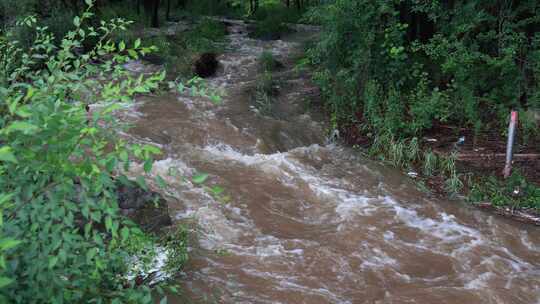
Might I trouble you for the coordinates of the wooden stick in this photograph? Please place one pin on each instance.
(472, 156)
(509, 212)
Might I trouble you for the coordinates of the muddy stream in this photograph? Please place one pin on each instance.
(302, 220)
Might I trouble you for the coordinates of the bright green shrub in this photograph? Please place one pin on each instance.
(63, 240)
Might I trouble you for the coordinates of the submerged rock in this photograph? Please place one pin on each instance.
(206, 65)
(146, 208)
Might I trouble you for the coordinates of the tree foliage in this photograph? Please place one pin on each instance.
(63, 240)
(401, 66)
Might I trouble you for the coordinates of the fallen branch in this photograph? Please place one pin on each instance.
(473, 156)
(517, 214)
(464, 156)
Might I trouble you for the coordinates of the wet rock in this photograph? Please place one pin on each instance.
(154, 59)
(227, 23)
(146, 208)
(206, 65)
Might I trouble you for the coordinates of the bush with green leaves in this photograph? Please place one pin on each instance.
(404, 66)
(268, 62)
(63, 239)
(516, 192)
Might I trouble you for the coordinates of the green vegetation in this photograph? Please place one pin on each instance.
(268, 63)
(388, 68)
(265, 86)
(178, 52)
(392, 71)
(264, 93)
(63, 239)
(516, 192)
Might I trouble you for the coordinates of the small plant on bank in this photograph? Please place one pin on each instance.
(430, 163)
(264, 93)
(448, 164)
(413, 150)
(454, 184)
(266, 83)
(396, 153)
(268, 62)
(263, 102)
(516, 192)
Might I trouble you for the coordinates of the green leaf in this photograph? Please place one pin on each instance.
(90, 254)
(200, 178)
(87, 228)
(133, 54)
(25, 127)
(111, 108)
(161, 182)
(8, 243)
(163, 300)
(4, 198)
(217, 190)
(124, 232)
(6, 155)
(52, 261)
(89, 2)
(151, 149)
(124, 156)
(23, 112)
(77, 21)
(173, 289)
(108, 223)
(137, 43)
(141, 182)
(5, 282)
(148, 165)
(121, 46)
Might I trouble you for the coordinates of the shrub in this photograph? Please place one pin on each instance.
(264, 93)
(267, 62)
(515, 192)
(63, 239)
(388, 63)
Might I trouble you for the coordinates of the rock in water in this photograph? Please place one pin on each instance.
(148, 209)
(206, 65)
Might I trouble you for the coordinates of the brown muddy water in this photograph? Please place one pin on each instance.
(313, 222)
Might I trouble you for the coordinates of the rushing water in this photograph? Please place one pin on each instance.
(309, 222)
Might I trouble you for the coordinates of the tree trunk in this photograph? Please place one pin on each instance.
(151, 10)
(155, 14)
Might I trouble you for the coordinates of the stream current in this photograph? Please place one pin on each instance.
(302, 220)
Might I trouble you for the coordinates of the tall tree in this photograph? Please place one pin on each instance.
(151, 9)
